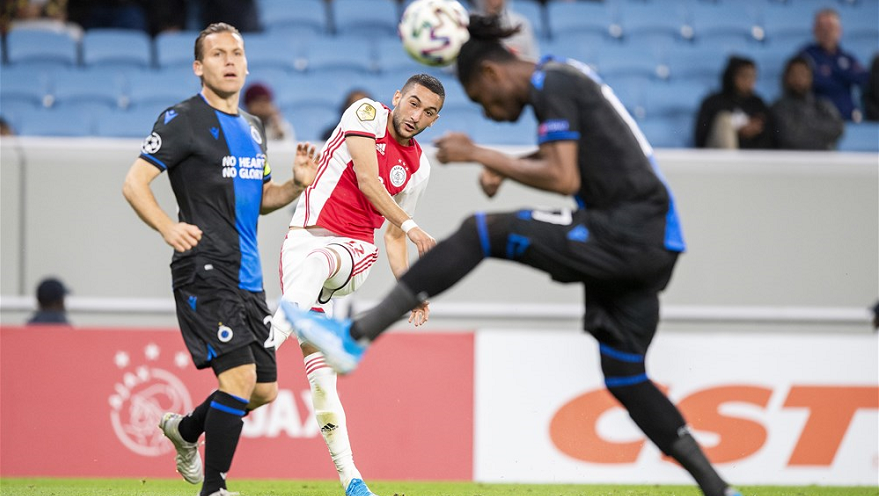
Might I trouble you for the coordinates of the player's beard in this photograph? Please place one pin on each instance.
(397, 122)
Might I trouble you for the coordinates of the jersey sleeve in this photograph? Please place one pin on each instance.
(362, 118)
(411, 194)
(170, 141)
(264, 146)
(557, 117)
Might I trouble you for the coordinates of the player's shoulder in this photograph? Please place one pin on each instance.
(366, 110)
(180, 111)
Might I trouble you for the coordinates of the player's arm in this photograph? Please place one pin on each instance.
(398, 258)
(275, 195)
(136, 189)
(552, 168)
(362, 151)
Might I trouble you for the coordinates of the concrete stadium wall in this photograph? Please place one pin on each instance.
(770, 229)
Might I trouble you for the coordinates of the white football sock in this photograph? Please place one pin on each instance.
(331, 416)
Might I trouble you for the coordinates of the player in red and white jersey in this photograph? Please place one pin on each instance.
(371, 169)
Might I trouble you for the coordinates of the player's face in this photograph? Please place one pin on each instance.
(415, 111)
(494, 91)
(223, 67)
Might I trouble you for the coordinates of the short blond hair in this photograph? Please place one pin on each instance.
(217, 27)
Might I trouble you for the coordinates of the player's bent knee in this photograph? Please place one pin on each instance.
(263, 393)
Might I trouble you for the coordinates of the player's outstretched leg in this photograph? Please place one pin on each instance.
(330, 336)
(188, 460)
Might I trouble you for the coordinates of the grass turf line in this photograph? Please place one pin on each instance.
(173, 487)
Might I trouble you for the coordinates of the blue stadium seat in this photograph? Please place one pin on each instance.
(131, 123)
(15, 111)
(88, 86)
(781, 21)
(673, 99)
(161, 89)
(272, 50)
(579, 17)
(862, 137)
(344, 56)
(667, 132)
(654, 20)
(117, 48)
(860, 20)
(583, 46)
(25, 83)
(724, 21)
(66, 122)
(298, 16)
(616, 60)
(375, 18)
(176, 48)
(630, 91)
(310, 120)
(389, 56)
(522, 132)
(301, 88)
(457, 117)
(696, 63)
(534, 12)
(45, 48)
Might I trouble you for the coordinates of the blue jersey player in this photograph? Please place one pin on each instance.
(621, 243)
(215, 157)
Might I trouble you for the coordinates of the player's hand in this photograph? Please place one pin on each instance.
(423, 241)
(420, 314)
(305, 164)
(182, 236)
(454, 147)
(490, 181)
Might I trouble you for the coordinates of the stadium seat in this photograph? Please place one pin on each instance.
(88, 86)
(653, 20)
(456, 117)
(301, 16)
(696, 63)
(176, 48)
(131, 123)
(673, 99)
(667, 132)
(65, 122)
(303, 88)
(375, 18)
(860, 20)
(160, 88)
(724, 21)
(582, 46)
(781, 21)
(389, 56)
(522, 132)
(862, 137)
(38, 47)
(117, 48)
(25, 83)
(580, 17)
(310, 120)
(273, 50)
(535, 12)
(617, 60)
(15, 111)
(343, 56)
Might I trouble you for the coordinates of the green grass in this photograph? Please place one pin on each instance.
(174, 487)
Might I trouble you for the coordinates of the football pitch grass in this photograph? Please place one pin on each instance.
(174, 487)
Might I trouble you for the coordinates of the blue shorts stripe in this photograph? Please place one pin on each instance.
(620, 355)
(625, 380)
(482, 228)
(223, 408)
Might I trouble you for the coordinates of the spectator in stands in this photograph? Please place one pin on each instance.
(735, 117)
(523, 43)
(836, 71)
(38, 14)
(871, 95)
(352, 96)
(259, 101)
(803, 121)
(242, 14)
(50, 303)
(119, 14)
(6, 128)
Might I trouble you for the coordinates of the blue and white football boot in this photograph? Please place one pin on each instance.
(358, 488)
(330, 336)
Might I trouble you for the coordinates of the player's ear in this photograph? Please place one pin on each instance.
(491, 71)
(396, 99)
(198, 68)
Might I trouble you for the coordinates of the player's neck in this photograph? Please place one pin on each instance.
(393, 132)
(224, 104)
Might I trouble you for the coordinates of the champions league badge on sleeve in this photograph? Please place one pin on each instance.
(151, 144)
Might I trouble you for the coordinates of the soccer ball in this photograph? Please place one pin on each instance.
(433, 31)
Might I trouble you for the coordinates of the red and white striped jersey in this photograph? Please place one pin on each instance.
(335, 202)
